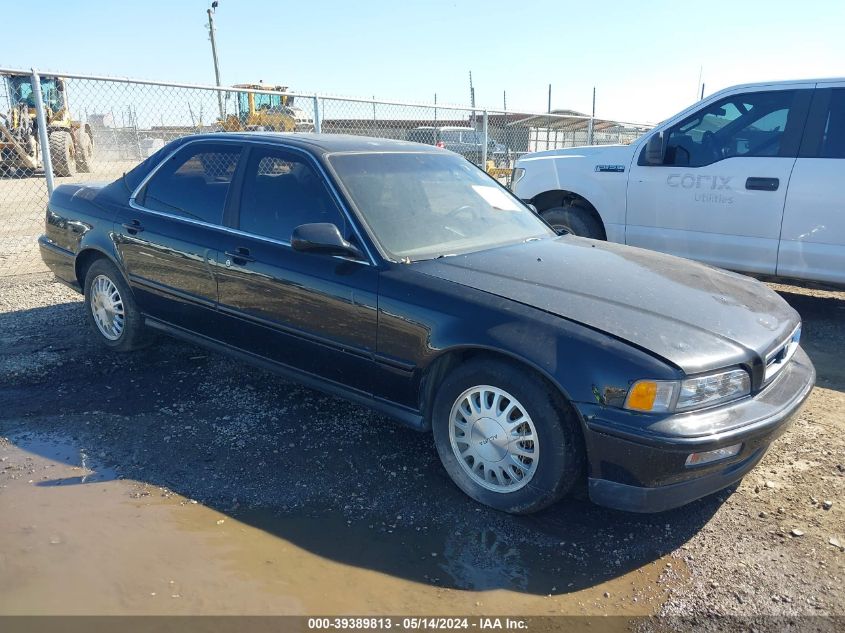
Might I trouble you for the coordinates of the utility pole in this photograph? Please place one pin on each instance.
(700, 72)
(592, 119)
(506, 125)
(214, 55)
(472, 98)
(549, 123)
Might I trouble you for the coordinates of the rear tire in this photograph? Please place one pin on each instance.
(84, 152)
(61, 153)
(482, 460)
(576, 218)
(110, 308)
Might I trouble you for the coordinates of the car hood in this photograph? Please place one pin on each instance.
(692, 315)
(621, 153)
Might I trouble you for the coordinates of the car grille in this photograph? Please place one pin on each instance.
(778, 358)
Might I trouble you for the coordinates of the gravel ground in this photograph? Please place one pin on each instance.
(777, 546)
(250, 444)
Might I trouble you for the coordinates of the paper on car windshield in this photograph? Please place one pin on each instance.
(496, 198)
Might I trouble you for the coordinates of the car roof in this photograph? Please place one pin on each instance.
(323, 143)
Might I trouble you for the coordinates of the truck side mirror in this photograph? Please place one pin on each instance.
(654, 149)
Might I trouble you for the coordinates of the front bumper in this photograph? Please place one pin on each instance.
(638, 464)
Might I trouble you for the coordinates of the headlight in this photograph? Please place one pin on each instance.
(706, 391)
(659, 396)
(518, 173)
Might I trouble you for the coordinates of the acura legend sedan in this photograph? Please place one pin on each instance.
(402, 277)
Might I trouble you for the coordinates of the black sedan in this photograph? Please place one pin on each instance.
(403, 277)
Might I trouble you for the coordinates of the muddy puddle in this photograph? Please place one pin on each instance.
(75, 539)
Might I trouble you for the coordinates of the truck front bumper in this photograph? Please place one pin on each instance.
(638, 470)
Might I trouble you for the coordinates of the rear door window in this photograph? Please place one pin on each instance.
(282, 190)
(422, 136)
(194, 183)
(471, 138)
(833, 133)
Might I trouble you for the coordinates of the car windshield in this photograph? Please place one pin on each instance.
(427, 205)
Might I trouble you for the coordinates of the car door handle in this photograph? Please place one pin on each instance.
(133, 227)
(762, 184)
(240, 256)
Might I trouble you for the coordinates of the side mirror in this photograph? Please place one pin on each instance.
(322, 237)
(654, 150)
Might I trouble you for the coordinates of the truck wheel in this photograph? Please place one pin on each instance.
(504, 438)
(61, 153)
(84, 152)
(576, 219)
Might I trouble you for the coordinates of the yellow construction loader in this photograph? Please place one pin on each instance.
(273, 112)
(71, 142)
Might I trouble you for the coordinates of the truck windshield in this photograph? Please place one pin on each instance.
(21, 89)
(422, 206)
(21, 92)
(265, 102)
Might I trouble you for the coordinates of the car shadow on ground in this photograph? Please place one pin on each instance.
(326, 475)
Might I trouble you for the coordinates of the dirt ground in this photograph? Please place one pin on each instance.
(174, 480)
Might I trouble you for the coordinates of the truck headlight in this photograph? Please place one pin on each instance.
(518, 173)
(660, 396)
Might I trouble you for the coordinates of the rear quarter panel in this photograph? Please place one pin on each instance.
(79, 218)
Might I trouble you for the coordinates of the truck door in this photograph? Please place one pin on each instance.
(719, 194)
(812, 241)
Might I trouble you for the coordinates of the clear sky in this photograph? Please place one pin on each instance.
(643, 56)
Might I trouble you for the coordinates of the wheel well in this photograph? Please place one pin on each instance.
(83, 263)
(446, 362)
(561, 198)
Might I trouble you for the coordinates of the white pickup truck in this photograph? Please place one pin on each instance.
(747, 179)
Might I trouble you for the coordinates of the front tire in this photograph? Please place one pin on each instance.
(62, 153)
(505, 438)
(576, 218)
(110, 308)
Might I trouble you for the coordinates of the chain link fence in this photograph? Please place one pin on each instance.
(78, 128)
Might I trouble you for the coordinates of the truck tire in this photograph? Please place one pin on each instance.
(84, 152)
(576, 218)
(61, 153)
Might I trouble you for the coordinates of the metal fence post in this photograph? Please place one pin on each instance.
(46, 159)
(317, 122)
(486, 141)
